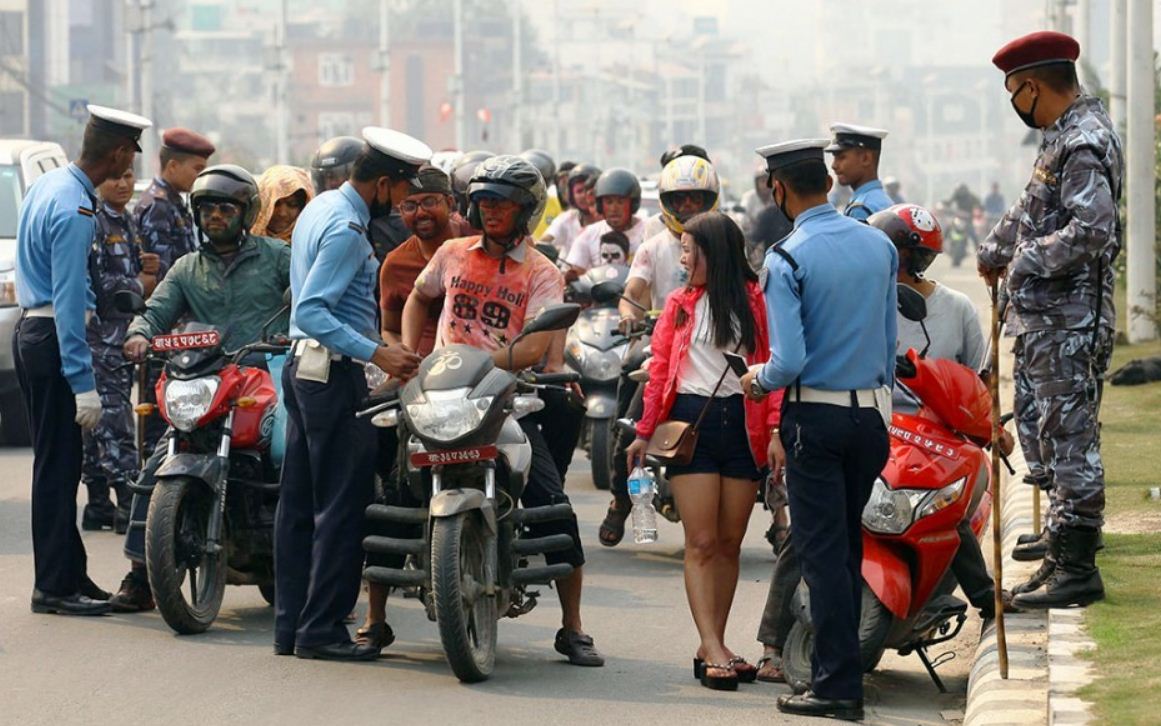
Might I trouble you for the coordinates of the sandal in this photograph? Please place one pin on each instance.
(719, 683)
(747, 673)
(773, 673)
(376, 635)
(578, 648)
(612, 530)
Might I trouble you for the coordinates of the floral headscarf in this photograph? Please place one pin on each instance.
(279, 182)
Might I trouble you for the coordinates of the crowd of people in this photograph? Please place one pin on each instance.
(390, 252)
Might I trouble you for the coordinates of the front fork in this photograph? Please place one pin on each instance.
(214, 529)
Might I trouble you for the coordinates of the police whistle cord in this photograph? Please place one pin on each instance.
(997, 498)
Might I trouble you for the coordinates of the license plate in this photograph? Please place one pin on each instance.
(185, 341)
(422, 459)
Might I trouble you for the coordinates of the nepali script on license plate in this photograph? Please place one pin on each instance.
(186, 341)
(422, 459)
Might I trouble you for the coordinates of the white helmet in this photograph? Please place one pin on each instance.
(686, 174)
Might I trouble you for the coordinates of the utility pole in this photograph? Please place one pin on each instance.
(1140, 263)
(518, 79)
(281, 86)
(145, 68)
(384, 67)
(558, 125)
(1117, 28)
(458, 71)
(1081, 24)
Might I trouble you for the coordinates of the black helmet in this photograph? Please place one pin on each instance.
(618, 182)
(462, 173)
(543, 162)
(332, 162)
(512, 178)
(583, 172)
(228, 182)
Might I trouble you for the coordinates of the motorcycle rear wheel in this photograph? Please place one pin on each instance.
(602, 452)
(467, 616)
(874, 624)
(175, 554)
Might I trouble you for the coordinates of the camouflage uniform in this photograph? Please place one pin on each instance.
(114, 264)
(167, 230)
(1059, 242)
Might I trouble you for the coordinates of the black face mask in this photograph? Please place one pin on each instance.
(1028, 117)
(782, 206)
(379, 209)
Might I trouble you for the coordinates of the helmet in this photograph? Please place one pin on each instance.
(512, 178)
(913, 228)
(543, 162)
(332, 162)
(445, 161)
(227, 182)
(462, 173)
(618, 182)
(686, 174)
(583, 172)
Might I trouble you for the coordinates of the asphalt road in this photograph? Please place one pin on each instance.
(131, 669)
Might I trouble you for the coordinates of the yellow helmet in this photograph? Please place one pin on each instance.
(687, 174)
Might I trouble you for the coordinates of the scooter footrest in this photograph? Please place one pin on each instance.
(541, 575)
(392, 545)
(395, 578)
(400, 515)
(548, 513)
(540, 545)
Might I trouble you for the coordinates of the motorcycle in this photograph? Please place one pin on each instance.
(595, 348)
(467, 464)
(955, 239)
(937, 474)
(211, 512)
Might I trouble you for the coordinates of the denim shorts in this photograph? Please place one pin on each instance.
(723, 445)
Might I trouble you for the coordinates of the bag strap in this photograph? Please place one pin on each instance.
(705, 408)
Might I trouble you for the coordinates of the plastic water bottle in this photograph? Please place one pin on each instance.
(641, 491)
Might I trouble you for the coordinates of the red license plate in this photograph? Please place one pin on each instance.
(423, 459)
(185, 341)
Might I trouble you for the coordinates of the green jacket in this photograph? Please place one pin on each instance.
(237, 297)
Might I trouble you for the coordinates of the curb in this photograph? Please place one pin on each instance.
(1066, 672)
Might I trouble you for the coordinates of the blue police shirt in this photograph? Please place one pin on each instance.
(868, 198)
(53, 236)
(832, 321)
(333, 272)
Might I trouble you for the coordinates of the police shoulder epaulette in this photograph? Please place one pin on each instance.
(357, 227)
(85, 211)
(777, 249)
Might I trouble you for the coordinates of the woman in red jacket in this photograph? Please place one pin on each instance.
(720, 310)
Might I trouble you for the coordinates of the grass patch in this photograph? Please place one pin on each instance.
(1126, 624)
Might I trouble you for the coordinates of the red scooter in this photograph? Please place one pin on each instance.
(937, 474)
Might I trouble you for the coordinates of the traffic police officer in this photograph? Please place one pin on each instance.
(856, 152)
(1058, 245)
(116, 263)
(830, 299)
(167, 228)
(328, 471)
(53, 362)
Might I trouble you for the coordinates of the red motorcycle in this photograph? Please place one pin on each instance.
(937, 474)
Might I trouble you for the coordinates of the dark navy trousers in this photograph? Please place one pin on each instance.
(833, 454)
(327, 482)
(57, 550)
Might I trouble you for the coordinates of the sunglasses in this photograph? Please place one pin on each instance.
(611, 256)
(410, 207)
(226, 209)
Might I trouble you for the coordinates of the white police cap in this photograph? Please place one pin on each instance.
(792, 152)
(397, 145)
(853, 136)
(118, 123)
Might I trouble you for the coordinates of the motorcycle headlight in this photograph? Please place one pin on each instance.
(7, 288)
(186, 402)
(891, 511)
(602, 365)
(942, 499)
(447, 415)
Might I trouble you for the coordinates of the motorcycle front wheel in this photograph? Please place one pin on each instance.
(874, 623)
(465, 613)
(602, 452)
(177, 558)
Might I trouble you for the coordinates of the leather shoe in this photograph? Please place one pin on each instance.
(90, 590)
(75, 604)
(808, 704)
(337, 651)
(134, 595)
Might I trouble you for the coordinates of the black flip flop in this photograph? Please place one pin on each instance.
(719, 683)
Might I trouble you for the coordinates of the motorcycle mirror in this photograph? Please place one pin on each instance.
(127, 301)
(912, 305)
(606, 292)
(553, 317)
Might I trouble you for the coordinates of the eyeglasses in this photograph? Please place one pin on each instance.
(611, 256)
(226, 209)
(429, 203)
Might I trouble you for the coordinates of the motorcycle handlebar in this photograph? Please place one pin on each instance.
(549, 379)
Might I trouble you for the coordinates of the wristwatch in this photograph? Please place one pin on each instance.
(756, 389)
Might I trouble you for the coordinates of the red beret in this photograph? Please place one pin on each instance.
(187, 142)
(1036, 49)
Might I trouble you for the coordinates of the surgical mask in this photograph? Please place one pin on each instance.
(1028, 117)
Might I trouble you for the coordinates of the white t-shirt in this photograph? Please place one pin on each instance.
(705, 362)
(954, 327)
(654, 225)
(658, 263)
(564, 229)
(585, 252)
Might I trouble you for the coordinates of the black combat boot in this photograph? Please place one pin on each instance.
(124, 500)
(1075, 581)
(1031, 551)
(1047, 565)
(98, 514)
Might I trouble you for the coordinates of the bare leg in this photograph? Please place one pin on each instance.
(735, 505)
(569, 591)
(376, 604)
(697, 498)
